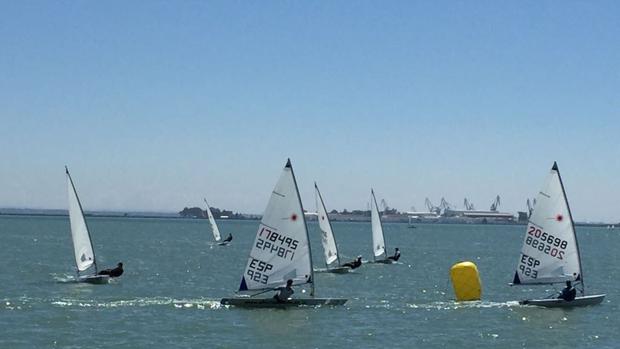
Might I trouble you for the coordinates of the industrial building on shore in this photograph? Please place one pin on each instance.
(447, 213)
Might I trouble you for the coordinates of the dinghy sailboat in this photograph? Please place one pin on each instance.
(332, 259)
(281, 251)
(215, 229)
(378, 239)
(85, 261)
(550, 253)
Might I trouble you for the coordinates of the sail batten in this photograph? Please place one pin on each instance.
(327, 234)
(549, 253)
(214, 228)
(378, 239)
(281, 250)
(82, 246)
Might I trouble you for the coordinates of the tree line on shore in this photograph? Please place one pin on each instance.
(197, 212)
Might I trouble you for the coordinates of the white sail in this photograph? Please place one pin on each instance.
(216, 231)
(327, 235)
(281, 250)
(378, 241)
(550, 253)
(82, 246)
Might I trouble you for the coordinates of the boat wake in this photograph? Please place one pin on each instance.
(452, 305)
(71, 279)
(201, 303)
(64, 278)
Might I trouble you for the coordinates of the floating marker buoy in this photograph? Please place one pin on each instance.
(466, 281)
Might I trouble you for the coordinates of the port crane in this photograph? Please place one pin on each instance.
(445, 205)
(530, 206)
(431, 207)
(469, 206)
(495, 204)
(384, 205)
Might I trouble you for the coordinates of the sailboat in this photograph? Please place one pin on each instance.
(332, 259)
(550, 252)
(85, 261)
(214, 228)
(378, 239)
(281, 251)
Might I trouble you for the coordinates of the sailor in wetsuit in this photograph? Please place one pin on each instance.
(115, 272)
(285, 292)
(396, 255)
(229, 238)
(568, 293)
(354, 264)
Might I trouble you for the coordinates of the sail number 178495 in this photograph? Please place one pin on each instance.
(275, 243)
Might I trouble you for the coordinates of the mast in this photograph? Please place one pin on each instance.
(288, 164)
(90, 240)
(570, 215)
(328, 222)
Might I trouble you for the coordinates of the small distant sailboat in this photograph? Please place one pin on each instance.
(215, 229)
(550, 253)
(85, 260)
(378, 239)
(281, 251)
(332, 259)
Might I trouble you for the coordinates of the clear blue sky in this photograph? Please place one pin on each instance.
(155, 104)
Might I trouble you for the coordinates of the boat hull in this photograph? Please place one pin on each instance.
(560, 303)
(384, 261)
(95, 279)
(336, 270)
(272, 303)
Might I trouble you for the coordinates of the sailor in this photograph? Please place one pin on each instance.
(285, 292)
(229, 238)
(115, 272)
(354, 264)
(568, 293)
(396, 255)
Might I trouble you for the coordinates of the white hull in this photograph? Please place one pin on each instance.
(95, 279)
(335, 270)
(560, 303)
(272, 303)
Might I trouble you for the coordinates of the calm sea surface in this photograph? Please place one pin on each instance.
(174, 278)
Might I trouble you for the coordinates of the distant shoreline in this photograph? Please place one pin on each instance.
(158, 215)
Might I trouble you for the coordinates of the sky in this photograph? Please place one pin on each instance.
(154, 105)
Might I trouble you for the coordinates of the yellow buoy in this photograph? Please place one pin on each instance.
(466, 281)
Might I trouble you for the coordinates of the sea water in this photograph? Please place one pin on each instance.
(175, 276)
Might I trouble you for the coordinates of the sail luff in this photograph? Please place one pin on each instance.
(303, 216)
(214, 229)
(328, 239)
(83, 248)
(572, 222)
